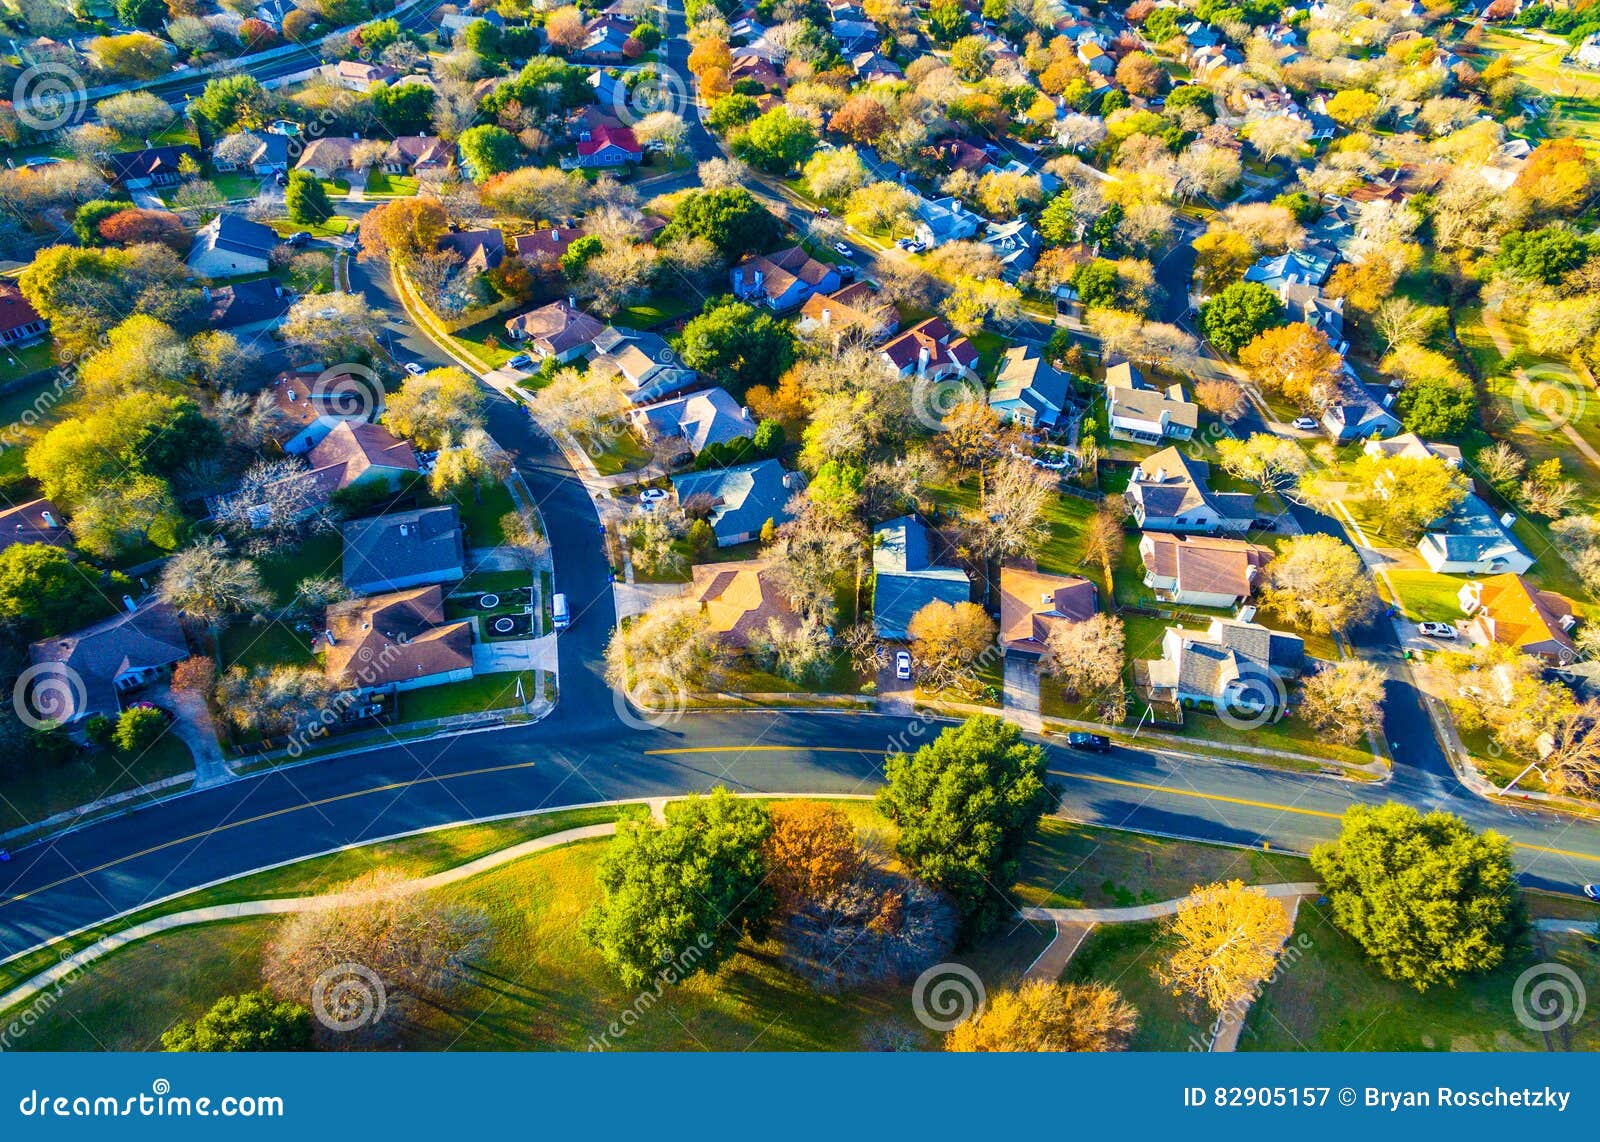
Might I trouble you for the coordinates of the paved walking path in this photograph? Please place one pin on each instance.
(1579, 927)
(1153, 911)
(284, 907)
(1054, 959)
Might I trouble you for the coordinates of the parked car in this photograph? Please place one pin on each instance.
(902, 665)
(1438, 630)
(1592, 891)
(413, 368)
(1094, 743)
(653, 496)
(1306, 423)
(520, 361)
(823, 212)
(559, 611)
(843, 249)
(281, 179)
(299, 238)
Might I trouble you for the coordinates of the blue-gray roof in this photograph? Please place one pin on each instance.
(906, 580)
(746, 496)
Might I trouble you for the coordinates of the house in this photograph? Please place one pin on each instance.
(396, 641)
(855, 307)
(743, 498)
(354, 452)
(545, 248)
(782, 281)
(271, 155)
(1199, 570)
(1472, 540)
(20, 323)
(1355, 412)
(709, 416)
(756, 68)
(1170, 492)
(1095, 58)
(872, 67)
(1017, 243)
(960, 155)
(1231, 664)
(153, 166)
(931, 349)
(1510, 610)
(416, 154)
(1147, 415)
(230, 246)
(311, 404)
(906, 579)
(359, 75)
(246, 307)
(480, 250)
(1033, 604)
(609, 147)
(403, 549)
(1412, 447)
(646, 364)
(606, 39)
(740, 600)
(1309, 305)
(560, 330)
(328, 157)
(1029, 392)
(454, 23)
(35, 521)
(941, 220)
(133, 648)
(856, 37)
(1296, 266)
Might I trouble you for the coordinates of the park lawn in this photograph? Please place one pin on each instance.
(382, 184)
(469, 696)
(1427, 596)
(1068, 865)
(1124, 956)
(43, 792)
(1335, 999)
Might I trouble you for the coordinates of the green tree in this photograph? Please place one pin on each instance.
(307, 199)
(230, 103)
(730, 218)
(948, 21)
(46, 593)
(776, 141)
(254, 1021)
(87, 218)
(147, 14)
(138, 728)
(1237, 315)
(731, 112)
(403, 108)
(1426, 897)
(1096, 284)
(1057, 223)
(676, 899)
(1435, 409)
(967, 804)
(737, 343)
(488, 150)
(1546, 255)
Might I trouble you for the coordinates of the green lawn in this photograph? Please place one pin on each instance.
(657, 309)
(625, 452)
(1427, 596)
(395, 185)
(321, 555)
(486, 342)
(270, 643)
(236, 186)
(481, 513)
(470, 696)
(1125, 956)
(18, 363)
(336, 225)
(97, 774)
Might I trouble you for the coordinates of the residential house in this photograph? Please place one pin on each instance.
(1095, 58)
(395, 641)
(645, 363)
(246, 307)
(312, 405)
(20, 323)
(1356, 412)
(403, 549)
(133, 648)
(271, 155)
(1199, 570)
(1231, 664)
(480, 250)
(1294, 267)
(354, 452)
(35, 521)
(855, 307)
(1029, 392)
(741, 600)
(1170, 492)
(328, 157)
(560, 330)
(359, 75)
(871, 67)
(153, 166)
(906, 578)
(1472, 540)
(756, 68)
(1308, 304)
(1017, 243)
(609, 147)
(1147, 415)
(782, 281)
(960, 155)
(454, 23)
(709, 416)
(941, 220)
(230, 246)
(1413, 447)
(545, 248)
(744, 498)
(606, 39)
(1508, 609)
(931, 349)
(1033, 604)
(856, 36)
(416, 154)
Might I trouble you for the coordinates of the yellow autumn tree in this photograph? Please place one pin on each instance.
(1044, 1016)
(1226, 939)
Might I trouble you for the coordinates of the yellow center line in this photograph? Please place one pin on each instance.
(1194, 793)
(764, 749)
(216, 829)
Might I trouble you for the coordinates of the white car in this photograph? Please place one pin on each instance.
(1438, 630)
(652, 496)
(413, 368)
(902, 666)
(1592, 891)
(843, 249)
(1305, 423)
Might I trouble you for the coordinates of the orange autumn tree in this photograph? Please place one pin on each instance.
(1294, 361)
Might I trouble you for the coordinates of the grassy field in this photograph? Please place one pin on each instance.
(1427, 596)
(469, 696)
(39, 794)
(1124, 956)
(1573, 94)
(380, 184)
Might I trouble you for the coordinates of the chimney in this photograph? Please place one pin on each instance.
(49, 519)
(922, 360)
(1508, 519)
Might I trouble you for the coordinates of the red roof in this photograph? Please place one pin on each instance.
(602, 137)
(16, 311)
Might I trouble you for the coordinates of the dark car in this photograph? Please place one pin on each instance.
(1264, 525)
(1094, 743)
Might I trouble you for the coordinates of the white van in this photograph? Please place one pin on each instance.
(563, 616)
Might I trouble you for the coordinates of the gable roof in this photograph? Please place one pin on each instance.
(148, 637)
(352, 449)
(605, 136)
(480, 250)
(905, 579)
(1202, 564)
(1472, 533)
(1513, 611)
(710, 416)
(1167, 483)
(235, 234)
(151, 162)
(36, 521)
(244, 303)
(401, 544)
(16, 311)
(559, 325)
(740, 600)
(1032, 604)
(942, 344)
(547, 245)
(746, 496)
(398, 637)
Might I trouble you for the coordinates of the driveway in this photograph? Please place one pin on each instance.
(514, 654)
(1021, 696)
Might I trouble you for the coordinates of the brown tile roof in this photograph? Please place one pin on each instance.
(352, 449)
(304, 397)
(1203, 564)
(557, 326)
(394, 638)
(739, 599)
(1033, 603)
(16, 311)
(1513, 611)
(147, 638)
(546, 245)
(944, 346)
